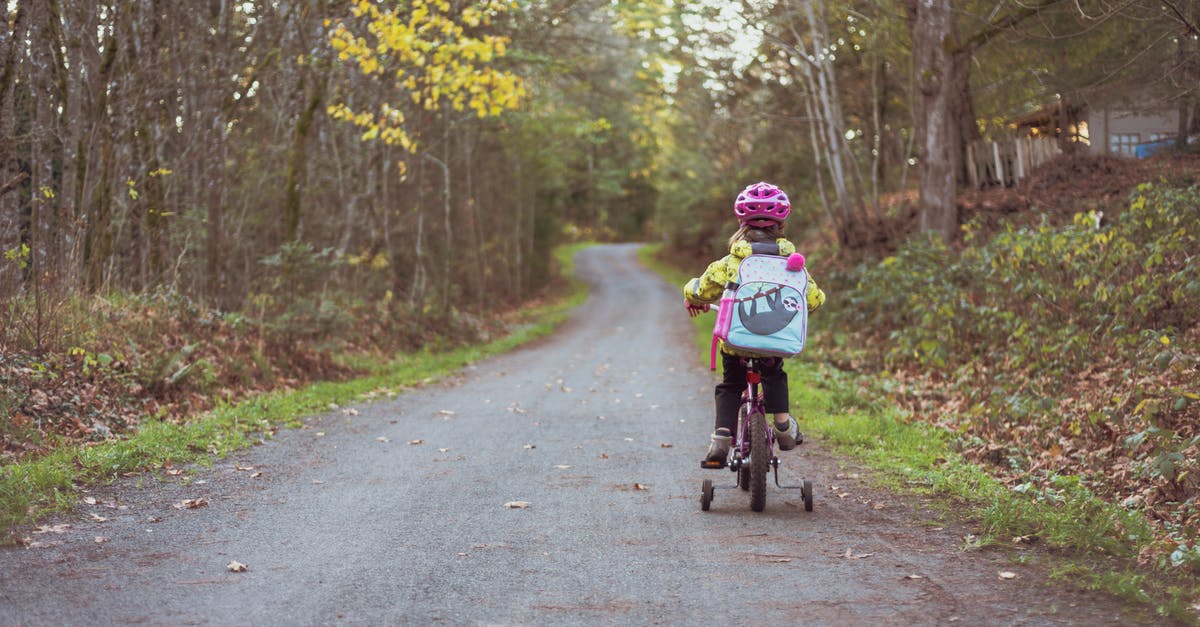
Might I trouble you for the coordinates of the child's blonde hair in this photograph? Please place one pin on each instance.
(756, 234)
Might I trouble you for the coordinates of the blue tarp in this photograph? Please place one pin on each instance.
(1141, 151)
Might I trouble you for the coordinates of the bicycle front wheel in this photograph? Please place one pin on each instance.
(760, 459)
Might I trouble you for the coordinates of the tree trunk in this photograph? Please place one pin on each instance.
(98, 238)
(963, 128)
(13, 160)
(931, 27)
(298, 160)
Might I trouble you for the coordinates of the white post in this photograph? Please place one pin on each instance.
(999, 164)
(1020, 143)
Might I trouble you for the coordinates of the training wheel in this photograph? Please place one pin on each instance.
(706, 494)
(807, 492)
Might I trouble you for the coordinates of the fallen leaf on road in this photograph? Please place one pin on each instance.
(382, 439)
(98, 518)
(174, 472)
(604, 456)
(665, 445)
(247, 468)
(529, 446)
(350, 412)
(850, 555)
(639, 486)
(101, 539)
(45, 545)
(445, 414)
(1005, 574)
(443, 450)
(517, 504)
(91, 500)
(416, 441)
(236, 567)
(562, 466)
(914, 577)
(191, 503)
(52, 528)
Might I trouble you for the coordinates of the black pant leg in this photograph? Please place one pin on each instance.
(775, 387)
(729, 391)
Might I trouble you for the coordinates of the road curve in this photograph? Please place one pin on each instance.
(394, 512)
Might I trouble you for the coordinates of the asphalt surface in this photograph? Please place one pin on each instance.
(393, 511)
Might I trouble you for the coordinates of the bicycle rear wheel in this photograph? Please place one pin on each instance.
(760, 458)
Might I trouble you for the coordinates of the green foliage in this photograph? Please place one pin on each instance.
(295, 297)
(1045, 299)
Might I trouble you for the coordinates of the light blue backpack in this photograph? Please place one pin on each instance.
(766, 311)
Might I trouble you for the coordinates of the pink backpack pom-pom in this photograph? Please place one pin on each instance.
(795, 262)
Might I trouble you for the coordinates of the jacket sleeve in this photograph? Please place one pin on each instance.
(815, 295)
(707, 288)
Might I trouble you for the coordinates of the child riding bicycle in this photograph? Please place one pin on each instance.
(761, 210)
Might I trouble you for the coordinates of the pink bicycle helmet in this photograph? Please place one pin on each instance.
(762, 204)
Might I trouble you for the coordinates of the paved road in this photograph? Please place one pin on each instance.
(393, 512)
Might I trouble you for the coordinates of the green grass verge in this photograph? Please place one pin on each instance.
(845, 410)
(31, 490)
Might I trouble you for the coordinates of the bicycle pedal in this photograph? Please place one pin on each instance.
(711, 465)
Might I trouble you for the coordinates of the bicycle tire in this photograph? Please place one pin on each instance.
(760, 459)
(743, 471)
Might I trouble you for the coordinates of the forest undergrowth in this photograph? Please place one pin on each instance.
(1058, 346)
(88, 370)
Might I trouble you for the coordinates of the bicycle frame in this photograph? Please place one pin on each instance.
(752, 404)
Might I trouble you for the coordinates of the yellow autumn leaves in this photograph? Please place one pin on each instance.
(424, 47)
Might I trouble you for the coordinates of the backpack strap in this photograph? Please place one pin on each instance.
(764, 248)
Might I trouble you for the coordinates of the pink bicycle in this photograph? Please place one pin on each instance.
(752, 455)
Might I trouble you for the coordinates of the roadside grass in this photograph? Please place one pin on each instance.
(31, 490)
(1095, 544)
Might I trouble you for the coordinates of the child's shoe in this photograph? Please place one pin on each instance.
(718, 448)
(788, 437)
